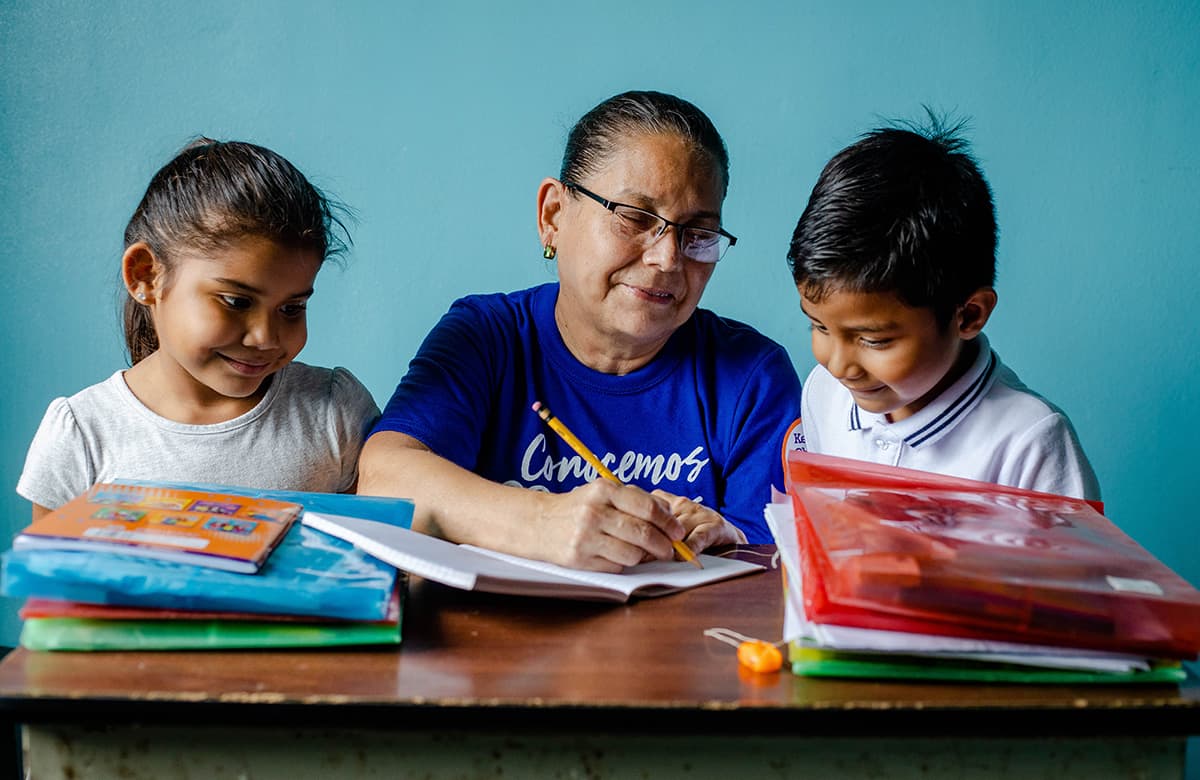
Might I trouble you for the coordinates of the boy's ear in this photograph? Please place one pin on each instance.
(550, 201)
(142, 272)
(973, 313)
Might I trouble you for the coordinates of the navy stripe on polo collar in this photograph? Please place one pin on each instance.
(939, 417)
(960, 406)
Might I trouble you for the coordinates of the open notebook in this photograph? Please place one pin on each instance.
(474, 568)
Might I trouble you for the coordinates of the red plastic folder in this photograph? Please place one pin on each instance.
(905, 550)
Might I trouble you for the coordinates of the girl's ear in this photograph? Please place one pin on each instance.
(974, 313)
(142, 271)
(551, 193)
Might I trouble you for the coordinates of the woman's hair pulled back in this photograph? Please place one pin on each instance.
(598, 135)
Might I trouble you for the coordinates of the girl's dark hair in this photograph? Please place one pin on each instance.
(598, 134)
(905, 209)
(215, 193)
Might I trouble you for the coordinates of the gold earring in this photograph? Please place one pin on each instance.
(549, 252)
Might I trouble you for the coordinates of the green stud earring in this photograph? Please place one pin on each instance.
(549, 252)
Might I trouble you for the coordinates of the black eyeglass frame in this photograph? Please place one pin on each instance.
(612, 206)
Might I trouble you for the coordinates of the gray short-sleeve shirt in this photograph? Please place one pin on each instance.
(305, 434)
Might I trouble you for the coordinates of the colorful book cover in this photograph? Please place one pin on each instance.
(309, 574)
(202, 528)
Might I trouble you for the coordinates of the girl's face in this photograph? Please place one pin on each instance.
(618, 303)
(226, 320)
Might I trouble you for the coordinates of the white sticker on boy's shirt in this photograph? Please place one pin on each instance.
(1126, 584)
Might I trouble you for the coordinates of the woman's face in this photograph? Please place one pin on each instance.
(620, 301)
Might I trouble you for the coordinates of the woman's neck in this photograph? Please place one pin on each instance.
(601, 354)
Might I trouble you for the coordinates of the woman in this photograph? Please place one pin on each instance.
(688, 409)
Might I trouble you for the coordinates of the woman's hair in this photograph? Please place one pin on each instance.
(599, 133)
(216, 193)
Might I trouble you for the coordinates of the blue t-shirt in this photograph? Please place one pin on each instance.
(704, 419)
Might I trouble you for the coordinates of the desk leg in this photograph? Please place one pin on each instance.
(11, 764)
(131, 753)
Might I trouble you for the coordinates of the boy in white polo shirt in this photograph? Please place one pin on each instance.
(895, 261)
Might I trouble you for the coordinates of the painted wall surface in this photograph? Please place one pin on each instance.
(436, 121)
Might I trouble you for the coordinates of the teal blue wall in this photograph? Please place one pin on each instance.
(437, 120)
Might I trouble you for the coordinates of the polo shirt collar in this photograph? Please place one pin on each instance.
(944, 412)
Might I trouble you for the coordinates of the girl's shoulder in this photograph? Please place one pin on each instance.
(103, 398)
(338, 386)
(301, 376)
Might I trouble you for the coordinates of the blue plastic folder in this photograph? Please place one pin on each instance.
(310, 573)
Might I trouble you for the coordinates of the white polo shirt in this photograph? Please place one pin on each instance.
(986, 426)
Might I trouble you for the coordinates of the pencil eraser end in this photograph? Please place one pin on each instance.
(536, 405)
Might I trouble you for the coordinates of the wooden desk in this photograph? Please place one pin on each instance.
(514, 687)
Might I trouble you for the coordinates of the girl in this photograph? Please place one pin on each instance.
(219, 262)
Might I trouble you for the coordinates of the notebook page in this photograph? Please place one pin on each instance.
(654, 578)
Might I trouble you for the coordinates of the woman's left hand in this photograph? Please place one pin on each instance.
(704, 527)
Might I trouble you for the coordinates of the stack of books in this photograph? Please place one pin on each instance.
(147, 566)
(895, 573)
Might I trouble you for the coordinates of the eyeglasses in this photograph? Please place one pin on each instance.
(643, 228)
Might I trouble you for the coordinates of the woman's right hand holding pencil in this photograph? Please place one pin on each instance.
(604, 526)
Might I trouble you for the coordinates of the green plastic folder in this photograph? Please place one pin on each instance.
(812, 662)
(85, 634)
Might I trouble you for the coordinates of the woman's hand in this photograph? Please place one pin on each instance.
(601, 526)
(704, 526)
(605, 527)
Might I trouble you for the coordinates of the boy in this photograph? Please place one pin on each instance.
(895, 261)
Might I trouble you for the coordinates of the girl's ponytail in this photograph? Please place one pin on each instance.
(140, 337)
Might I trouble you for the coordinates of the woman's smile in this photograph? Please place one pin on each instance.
(655, 295)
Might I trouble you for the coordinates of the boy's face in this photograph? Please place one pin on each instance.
(893, 358)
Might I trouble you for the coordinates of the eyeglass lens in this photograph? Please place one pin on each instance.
(705, 246)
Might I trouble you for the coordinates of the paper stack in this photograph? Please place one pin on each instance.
(312, 589)
(905, 574)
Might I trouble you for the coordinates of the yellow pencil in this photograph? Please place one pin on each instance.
(571, 439)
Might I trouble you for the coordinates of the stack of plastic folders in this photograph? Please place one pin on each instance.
(314, 590)
(895, 573)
